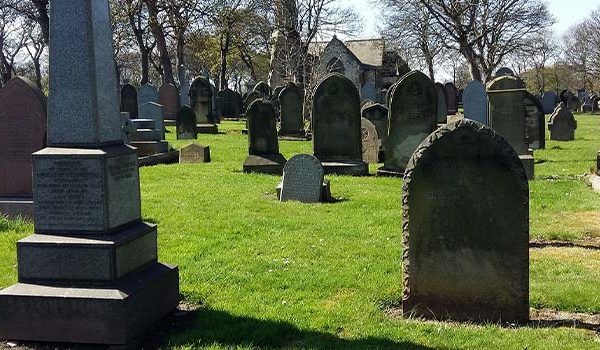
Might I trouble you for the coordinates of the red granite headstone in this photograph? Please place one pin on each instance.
(22, 132)
(169, 98)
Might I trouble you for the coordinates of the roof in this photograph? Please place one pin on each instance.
(369, 51)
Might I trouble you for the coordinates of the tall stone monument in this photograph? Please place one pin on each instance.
(22, 132)
(337, 138)
(465, 228)
(89, 274)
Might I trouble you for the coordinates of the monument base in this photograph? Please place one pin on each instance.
(300, 136)
(346, 167)
(115, 315)
(146, 135)
(325, 192)
(440, 310)
(389, 172)
(207, 129)
(170, 122)
(16, 207)
(528, 164)
(148, 148)
(144, 123)
(265, 164)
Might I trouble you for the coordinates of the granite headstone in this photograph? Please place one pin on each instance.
(303, 177)
(475, 103)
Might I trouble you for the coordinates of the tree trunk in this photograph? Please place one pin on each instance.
(42, 18)
(161, 43)
(225, 42)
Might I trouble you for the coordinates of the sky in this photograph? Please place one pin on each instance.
(566, 13)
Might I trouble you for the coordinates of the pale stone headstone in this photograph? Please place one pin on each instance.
(562, 124)
(291, 106)
(154, 111)
(337, 139)
(451, 98)
(263, 150)
(413, 116)
(147, 93)
(89, 274)
(302, 180)
(466, 228)
(442, 107)
(22, 132)
(475, 103)
(378, 115)
(194, 153)
(169, 99)
(186, 124)
(370, 142)
(129, 102)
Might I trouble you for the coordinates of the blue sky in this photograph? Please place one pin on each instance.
(566, 12)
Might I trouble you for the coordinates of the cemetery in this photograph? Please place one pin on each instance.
(361, 205)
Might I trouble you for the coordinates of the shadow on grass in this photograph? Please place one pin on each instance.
(207, 327)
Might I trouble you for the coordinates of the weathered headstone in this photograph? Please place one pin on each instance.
(413, 116)
(201, 95)
(186, 124)
(263, 150)
(147, 93)
(451, 98)
(535, 131)
(250, 98)
(22, 132)
(378, 115)
(337, 139)
(370, 142)
(169, 99)
(194, 153)
(302, 180)
(475, 103)
(231, 103)
(562, 124)
(442, 107)
(549, 100)
(507, 115)
(263, 89)
(129, 102)
(466, 228)
(184, 86)
(292, 120)
(89, 274)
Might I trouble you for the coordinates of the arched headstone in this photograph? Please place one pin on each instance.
(466, 228)
(451, 98)
(186, 124)
(231, 103)
(168, 96)
(302, 180)
(263, 89)
(504, 71)
(413, 116)
(201, 100)
(378, 115)
(263, 150)
(129, 100)
(549, 101)
(291, 105)
(442, 103)
(147, 93)
(337, 139)
(475, 103)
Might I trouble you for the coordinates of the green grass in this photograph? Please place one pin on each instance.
(291, 275)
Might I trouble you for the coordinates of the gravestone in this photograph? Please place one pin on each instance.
(595, 106)
(186, 124)
(275, 98)
(507, 115)
(549, 100)
(562, 124)
(22, 132)
(231, 103)
(252, 96)
(475, 103)
(263, 150)
(442, 107)
(504, 71)
(184, 86)
(129, 101)
(370, 142)
(292, 121)
(303, 177)
(535, 131)
(263, 89)
(378, 115)
(194, 153)
(169, 98)
(413, 116)
(471, 267)
(337, 139)
(89, 274)
(568, 98)
(147, 93)
(201, 98)
(451, 98)
(154, 111)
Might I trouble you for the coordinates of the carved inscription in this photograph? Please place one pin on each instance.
(302, 179)
(69, 194)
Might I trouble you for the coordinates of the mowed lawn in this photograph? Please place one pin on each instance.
(295, 276)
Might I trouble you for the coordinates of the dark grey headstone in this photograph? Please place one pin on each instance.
(475, 103)
(231, 103)
(413, 116)
(291, 106)
(152, 110)
(263, 149)
(302, 179)
(186, 124)
(168, 95)
(378, 115)
(504, 71)
(451, 98)
(147, 93)
(506, 110)
(535, 131)
(263, 89)
(129, 101)
(442, 107)
(201, 96)
(549, 100)
(562, 124)
(466, 228)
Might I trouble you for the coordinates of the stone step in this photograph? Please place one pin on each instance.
(144, 123)
(147, 148)
(146, 135)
